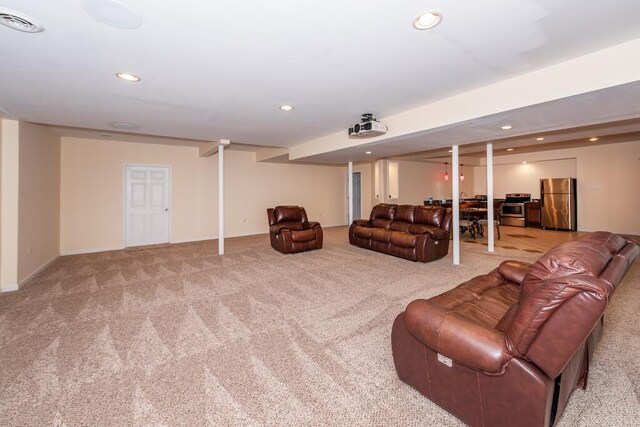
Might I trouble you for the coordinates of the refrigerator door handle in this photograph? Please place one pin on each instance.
(541, 193)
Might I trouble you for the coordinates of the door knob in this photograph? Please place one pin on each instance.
(166, 209)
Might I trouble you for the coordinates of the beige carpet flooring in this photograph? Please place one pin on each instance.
(181, 336)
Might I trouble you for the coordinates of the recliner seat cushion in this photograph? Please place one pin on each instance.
(400, 226)
(381, 235)
(403, 240)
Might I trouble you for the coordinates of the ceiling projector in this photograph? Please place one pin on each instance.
(369, 126)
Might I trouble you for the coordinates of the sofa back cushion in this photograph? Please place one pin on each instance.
(589, 255)
(405, 213)
(429, 215)
(383, 211)
(288, 214)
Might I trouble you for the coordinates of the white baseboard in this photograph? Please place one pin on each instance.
(199, 239)
(90, 250)
(9, 288)
(37, 270)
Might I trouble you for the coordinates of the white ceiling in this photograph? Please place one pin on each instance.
(213, 69)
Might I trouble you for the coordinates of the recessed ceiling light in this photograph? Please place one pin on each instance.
(123, 125)
(506, 127)
(368, 152)
(524, 163)
(19, 21)
(105, 135)
(286, 107)
(540, 139)
(128, 77)
(593, 139)
(427, 20)
(509, 149)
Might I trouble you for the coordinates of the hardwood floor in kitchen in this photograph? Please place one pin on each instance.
(528, 239)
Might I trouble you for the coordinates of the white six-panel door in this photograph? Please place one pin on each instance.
(146, 205)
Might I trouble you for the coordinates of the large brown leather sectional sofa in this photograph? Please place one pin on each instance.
(508, 348)
(417, 233)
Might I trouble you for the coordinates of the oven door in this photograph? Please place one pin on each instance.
(514, 210)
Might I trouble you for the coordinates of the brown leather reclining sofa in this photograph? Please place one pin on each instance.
(508, 348)
(417, 233)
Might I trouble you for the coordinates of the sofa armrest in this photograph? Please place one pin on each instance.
(513, 271)
(362, 222)
(277, 228)
(310, 224)
(435, 232)
(439, 234)
(457, 337)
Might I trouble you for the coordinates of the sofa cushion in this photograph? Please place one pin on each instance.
(403, 240)
(400, 226)
(429, 215)
(405, 213)
(287, 214)
(383, 211)
(381, 235)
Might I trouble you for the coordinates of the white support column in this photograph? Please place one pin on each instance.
(490, 218)
(350, 191)
(221, 196)
(455, 198)
(9, 201)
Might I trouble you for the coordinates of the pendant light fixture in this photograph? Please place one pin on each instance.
(461, 173)
(446, 171)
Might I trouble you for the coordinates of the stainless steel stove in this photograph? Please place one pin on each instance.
(512, 211)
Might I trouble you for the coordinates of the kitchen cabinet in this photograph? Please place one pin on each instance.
(533, 214)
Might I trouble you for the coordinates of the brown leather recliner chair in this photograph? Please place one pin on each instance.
(291, 231)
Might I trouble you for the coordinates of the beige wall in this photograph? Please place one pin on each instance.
(92, 184)
(517, 177)
(39, 199)
(419, 180)
(252, 187)
(9, 151)
(608, 177)
(92, 172)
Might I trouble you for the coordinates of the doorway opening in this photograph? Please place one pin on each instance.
(356, 203)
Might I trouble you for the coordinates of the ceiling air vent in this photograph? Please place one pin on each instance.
(19, 21)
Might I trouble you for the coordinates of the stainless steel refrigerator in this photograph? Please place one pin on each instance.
(558, 203)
